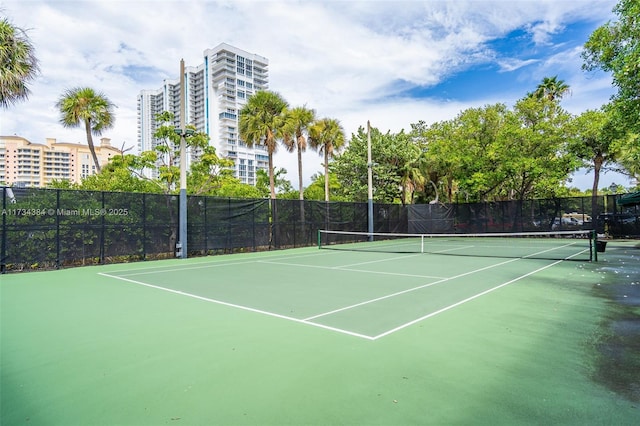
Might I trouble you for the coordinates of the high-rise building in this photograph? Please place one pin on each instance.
(216, 91)
(27, 164)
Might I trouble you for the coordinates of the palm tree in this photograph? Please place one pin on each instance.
(85, 105)
(19, 65)
(412, 178)
(551, 88)
(262, 121)
(298, 121)
(327, 136)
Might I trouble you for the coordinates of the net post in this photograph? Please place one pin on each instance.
(318, 238)
(594, 245)
(421, 243)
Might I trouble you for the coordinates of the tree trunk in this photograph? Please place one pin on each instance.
(404, 194)
(301, 195)
(326, 176)
(597, 165)
(272, 181)
(300, 173)
(92, 148)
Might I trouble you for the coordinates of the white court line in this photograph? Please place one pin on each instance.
(233, 305)
(308, 321)
(397, 274)
(393, 330)
(428, 285)
(415, 321)
(451, 249)
(348, 267)
(388, 296)
(188, 268)
(210, 264)
(388, 259)
(342, 268)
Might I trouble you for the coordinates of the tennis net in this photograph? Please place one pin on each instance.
(560, 245)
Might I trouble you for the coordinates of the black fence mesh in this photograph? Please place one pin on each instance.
(223, 225)
(46, 228)
(619, 221)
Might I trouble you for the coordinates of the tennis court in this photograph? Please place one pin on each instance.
(309, 336)
(367, 295)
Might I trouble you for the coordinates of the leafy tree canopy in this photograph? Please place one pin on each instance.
(19, 63)
(389, 153)
(615, 47)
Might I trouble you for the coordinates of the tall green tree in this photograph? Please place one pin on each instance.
(493, 153)
(165, 156)
(397, 167)
(327, 136)
(615, 47)
(262, 122)
(533, 155)
(477, 135)
(628, 149)
(297, 124)
(351, 168)
(19, 65)
(551, 88)
(438, 153)
(116, 175)
(414, 174)
(83, 105)
(210, 173)
(594, 143)
(282, 184)
(315, 190)
(462, 154)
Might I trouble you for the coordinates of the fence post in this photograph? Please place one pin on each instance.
(102, 226)
(57, 228)
(3, 243)
(144, 226)
(205, 227)
(274, 224)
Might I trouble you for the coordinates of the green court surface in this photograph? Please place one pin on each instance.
(312, 337)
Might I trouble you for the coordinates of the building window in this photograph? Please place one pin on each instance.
(240, 65)
(227, 115)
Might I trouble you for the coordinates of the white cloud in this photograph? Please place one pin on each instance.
(342, 58)
(512, 64)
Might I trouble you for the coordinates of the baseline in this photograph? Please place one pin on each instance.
(309, 320)
(348, 268)
(233, 305)
(409, 290)
(468, 299)
(201, 265)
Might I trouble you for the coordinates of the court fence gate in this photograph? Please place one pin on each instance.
(54, 228)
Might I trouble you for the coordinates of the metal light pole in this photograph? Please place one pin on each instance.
(370, 181)
(183, 168)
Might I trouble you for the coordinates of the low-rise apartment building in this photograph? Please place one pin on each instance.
(27, 164)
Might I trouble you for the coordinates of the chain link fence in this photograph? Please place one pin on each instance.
(51, 228)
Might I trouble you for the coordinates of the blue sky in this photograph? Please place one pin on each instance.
(393, 63)
(510, 70)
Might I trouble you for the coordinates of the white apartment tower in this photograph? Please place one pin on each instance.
(216, 91)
